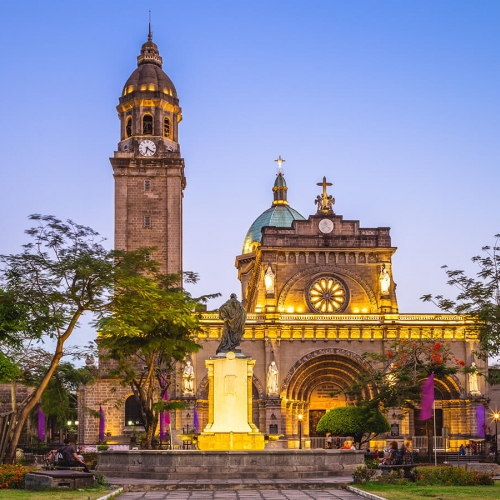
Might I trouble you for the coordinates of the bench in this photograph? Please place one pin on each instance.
(406, 468)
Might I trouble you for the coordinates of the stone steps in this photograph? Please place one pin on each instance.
(317, 483)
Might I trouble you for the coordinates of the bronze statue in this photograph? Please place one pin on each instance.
(234, 315)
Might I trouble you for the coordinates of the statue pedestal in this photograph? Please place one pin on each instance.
(230, 425)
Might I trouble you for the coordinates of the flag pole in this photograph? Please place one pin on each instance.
(435, 437)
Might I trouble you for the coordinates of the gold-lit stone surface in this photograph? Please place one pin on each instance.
(230, 425)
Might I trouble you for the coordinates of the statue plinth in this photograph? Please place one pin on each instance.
(230, 425)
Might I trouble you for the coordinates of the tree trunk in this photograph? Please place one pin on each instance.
(23, 415)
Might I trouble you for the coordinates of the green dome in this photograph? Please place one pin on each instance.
(276, 216)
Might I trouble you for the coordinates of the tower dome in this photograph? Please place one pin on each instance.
(149, 74)
(281, 214)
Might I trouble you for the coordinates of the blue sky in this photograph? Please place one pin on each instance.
(395, 102)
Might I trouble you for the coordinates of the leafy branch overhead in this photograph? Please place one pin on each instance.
(478, 298)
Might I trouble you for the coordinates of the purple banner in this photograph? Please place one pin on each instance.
(480, 421)
(196, 422)
(102, 423)
(41, 424)
(162, 427)
(167, 413)
(427, 398)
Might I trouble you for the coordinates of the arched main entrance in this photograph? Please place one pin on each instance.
(316, 383)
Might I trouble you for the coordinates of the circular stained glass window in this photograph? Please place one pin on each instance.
(327, 295)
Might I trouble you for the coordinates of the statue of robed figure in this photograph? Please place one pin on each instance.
(234, 316)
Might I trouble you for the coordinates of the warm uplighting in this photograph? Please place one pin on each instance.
(300, 430)
(290, 309)
(364, 310)
(496, 417)
(355, 310)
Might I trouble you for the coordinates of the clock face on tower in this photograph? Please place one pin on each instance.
(147, 148)
(325, 226)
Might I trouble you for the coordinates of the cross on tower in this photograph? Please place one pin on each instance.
(280, 161)
(324, 201)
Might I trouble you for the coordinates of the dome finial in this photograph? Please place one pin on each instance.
(150, 33)
(280, 161)
(280, 189)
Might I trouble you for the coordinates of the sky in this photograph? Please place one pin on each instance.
(396, 102)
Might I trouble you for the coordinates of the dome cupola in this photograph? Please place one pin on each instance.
(281, 214)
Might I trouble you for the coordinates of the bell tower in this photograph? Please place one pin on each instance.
(147, 166)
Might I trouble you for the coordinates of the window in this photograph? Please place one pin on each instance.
(147, 125)
(147, 221)
(147, 185)
(128, 127)
(166, 127)
(132, 412)
(147, 257)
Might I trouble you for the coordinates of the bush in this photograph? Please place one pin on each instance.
(102, 447)
(12, 476)
(362, 474)
(451, 476)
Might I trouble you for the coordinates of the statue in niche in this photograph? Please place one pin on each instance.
(234, 316)
(272, 379)
(269, 280)
(188, 378)
(385, 281)
(473, 386)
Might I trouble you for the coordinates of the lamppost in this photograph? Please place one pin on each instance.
(300, 431)
(496, 416)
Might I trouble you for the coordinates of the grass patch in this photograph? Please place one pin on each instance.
(86, 494)
(412, 491)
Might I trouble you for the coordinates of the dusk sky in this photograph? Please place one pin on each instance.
(395, 102)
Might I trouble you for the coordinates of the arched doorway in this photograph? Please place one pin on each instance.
(317, 383)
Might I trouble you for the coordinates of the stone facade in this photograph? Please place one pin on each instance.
(319, 293)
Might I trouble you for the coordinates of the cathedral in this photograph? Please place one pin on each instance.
(319, 292)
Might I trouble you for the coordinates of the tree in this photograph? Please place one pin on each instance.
(395, 376)
(478, 298)
(153, 328)
(355, 421)
(62, 273)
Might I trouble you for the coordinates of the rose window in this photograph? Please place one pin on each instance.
(327, 295)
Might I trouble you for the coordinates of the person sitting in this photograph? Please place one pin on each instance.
(392, 456)
(68, 457)
(461, 450)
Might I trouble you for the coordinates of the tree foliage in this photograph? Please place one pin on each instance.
(153, 328)
(63, 272)
(361, 422)
(478, 297)
(395, 376)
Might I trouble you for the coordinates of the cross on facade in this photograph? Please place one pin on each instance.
(325, 201)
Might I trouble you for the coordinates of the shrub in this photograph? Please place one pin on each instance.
(102, 447)
(451, 476)
(362, 474)
(12, 476)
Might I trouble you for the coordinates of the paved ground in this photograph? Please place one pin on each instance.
(333, 494)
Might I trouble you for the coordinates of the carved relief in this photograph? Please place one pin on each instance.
(312, 258)
(291, 258)
(281, 257)
(315, 354)
(329, 269)
(322, 258)
(352, 258)
(341, 258)
(331, 258)
(302, 258)
(362, 258)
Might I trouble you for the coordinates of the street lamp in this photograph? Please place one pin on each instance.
(300, 430)
(496, 416)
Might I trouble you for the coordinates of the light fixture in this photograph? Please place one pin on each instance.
(300, 416)
(76, 422)
(130, 422)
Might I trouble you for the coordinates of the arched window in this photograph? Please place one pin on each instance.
(147, 125)
(166, 127)
(128, 127)
(132, 412)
